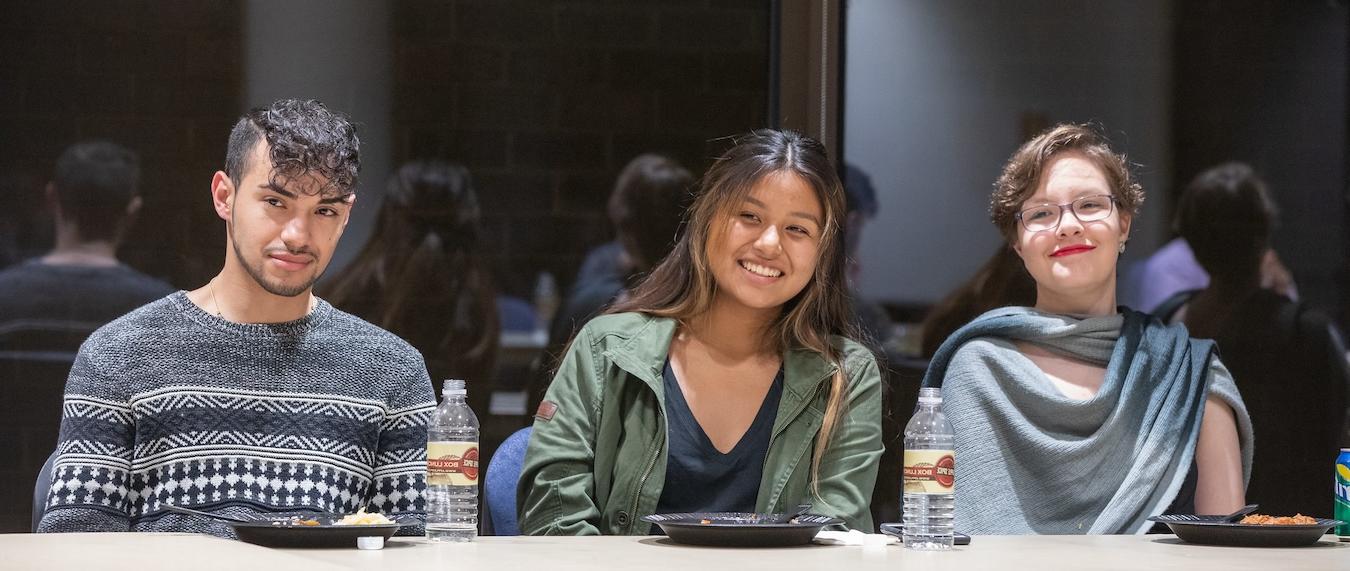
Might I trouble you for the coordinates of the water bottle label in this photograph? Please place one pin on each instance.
(930, 472)
(452, 463)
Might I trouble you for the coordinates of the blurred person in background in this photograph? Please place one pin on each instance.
(54, 302)
(1043, 397)
(647, 210)
(421, 276)
(1288, 359)
(605, 266)
(1173, 269)
(860, 199)
(602, 264)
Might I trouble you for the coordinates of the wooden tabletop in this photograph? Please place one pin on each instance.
(143, 551)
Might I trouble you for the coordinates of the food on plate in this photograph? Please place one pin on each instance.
(363, 518)
(1297, 519)
(297, 520)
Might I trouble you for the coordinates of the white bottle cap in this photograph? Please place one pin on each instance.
(372, 542)
(930, 395)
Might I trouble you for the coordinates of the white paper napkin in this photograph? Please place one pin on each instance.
(854, 537)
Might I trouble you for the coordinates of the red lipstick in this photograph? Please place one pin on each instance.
(1071, 250)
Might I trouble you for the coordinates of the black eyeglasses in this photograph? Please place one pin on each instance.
(1046, 217)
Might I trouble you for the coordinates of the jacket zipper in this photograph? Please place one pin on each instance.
(795, 413)
(651, 464)
(642, 483)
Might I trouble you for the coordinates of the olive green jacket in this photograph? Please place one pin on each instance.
(596, 461)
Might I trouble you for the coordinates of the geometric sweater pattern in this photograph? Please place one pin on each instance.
(170, 405)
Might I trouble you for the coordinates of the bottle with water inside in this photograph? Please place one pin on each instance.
(452, 468)
(929, 476)
(546, 300)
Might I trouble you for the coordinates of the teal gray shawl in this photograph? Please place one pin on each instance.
(1030, 460)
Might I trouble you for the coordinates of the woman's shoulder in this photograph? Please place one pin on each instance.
(637, 331)
(855, 355)
(851, 350)
(623, 325)
(983, 346)
(979, 352)
(980, 358)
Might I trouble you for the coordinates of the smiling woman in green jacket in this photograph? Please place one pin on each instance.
(726, 382)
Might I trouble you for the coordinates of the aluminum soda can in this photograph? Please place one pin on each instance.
(1343, 494)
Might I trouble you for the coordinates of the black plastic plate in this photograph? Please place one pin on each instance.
(740, 529)
(1210, 530)
(283, 533)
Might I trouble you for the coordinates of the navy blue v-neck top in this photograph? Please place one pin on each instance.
(699, 478)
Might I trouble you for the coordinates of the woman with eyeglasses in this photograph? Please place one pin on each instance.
(1075, 415)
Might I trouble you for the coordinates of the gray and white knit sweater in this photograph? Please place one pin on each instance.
(172, 405)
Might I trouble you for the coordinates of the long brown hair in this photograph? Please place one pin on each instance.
(420, 276)
(682, 285)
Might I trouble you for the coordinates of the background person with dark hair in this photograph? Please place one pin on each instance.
(249, 395)
(420, 275)
(860, 204)
(1286, 358)
(52, 303)
(642, 196)
(647, 208)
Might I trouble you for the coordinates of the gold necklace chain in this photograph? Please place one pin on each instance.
(212, 285)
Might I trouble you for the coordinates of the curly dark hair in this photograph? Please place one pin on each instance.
(303, 138)
(1023, 172)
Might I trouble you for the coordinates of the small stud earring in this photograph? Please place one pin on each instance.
(1121, 249)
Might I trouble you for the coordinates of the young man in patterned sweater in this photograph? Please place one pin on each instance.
(249, 395)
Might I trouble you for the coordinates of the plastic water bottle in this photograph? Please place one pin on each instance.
(930, 476)
(452, 468)
(546, 300)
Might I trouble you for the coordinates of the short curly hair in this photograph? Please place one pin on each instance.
(1022, 174)
(303, 138)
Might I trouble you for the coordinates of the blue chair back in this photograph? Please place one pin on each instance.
(41, 487)
(499, 488)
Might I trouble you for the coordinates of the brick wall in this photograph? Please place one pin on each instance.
(162, 78)
(546, 100)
